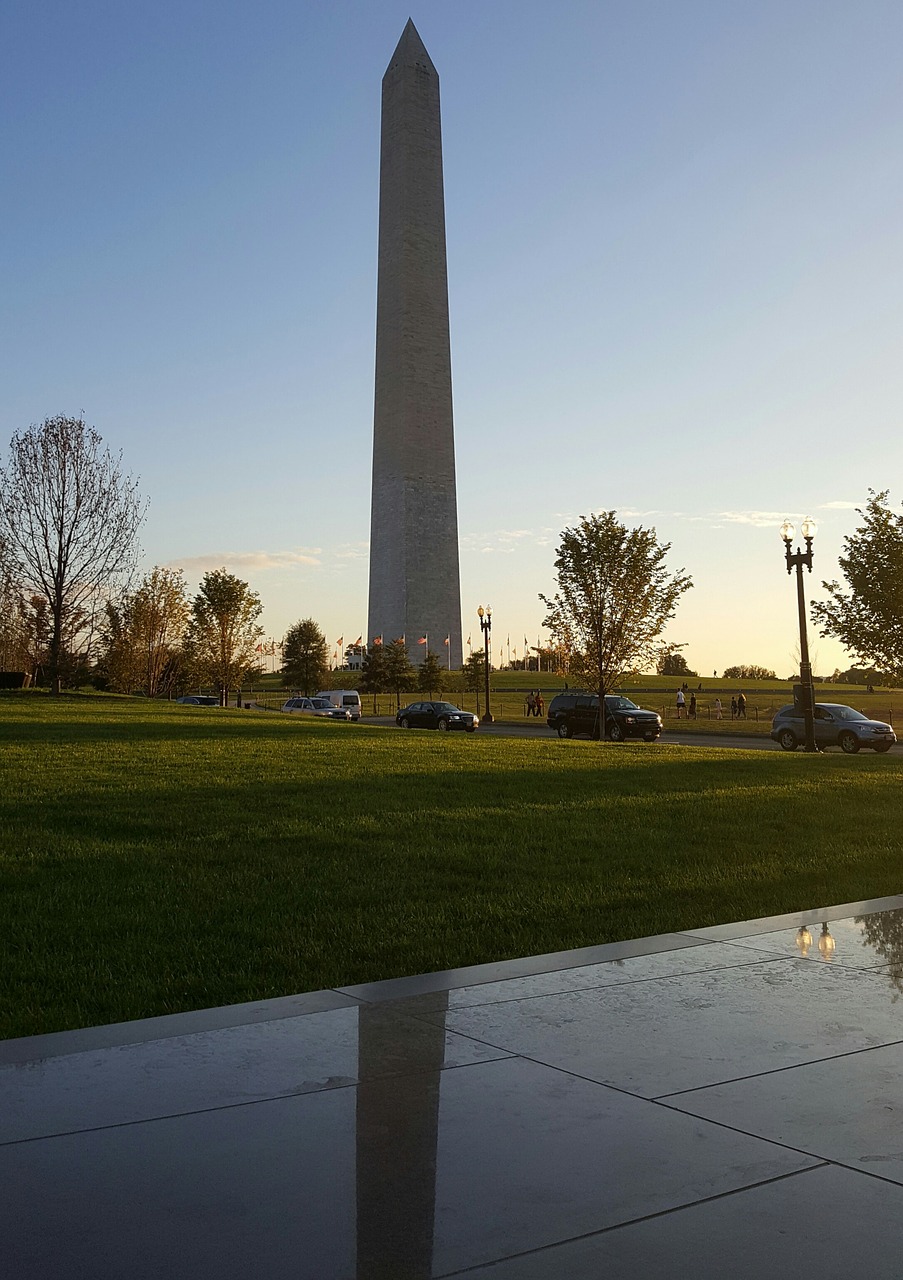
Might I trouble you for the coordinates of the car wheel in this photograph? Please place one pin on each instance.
(788, 740)
(443, 724)
(849, 743)
(649, 737)
(882, 747)
(615, 732)
(564, 730)
(470, 728)
(405, 722)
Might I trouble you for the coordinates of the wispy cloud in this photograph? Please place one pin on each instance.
(837, 506)
(248, 560)
(758, 519)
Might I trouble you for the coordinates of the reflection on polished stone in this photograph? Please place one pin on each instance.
(484, 1161)
(845, 1109)
(862, 942)
(826, 1223)
(218, 1068)
(609, 973)
(670, 1034)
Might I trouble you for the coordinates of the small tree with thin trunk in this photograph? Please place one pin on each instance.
(615, 597)
(305, 656)
(401, 676)
(69, 518)
(223, 635)
(431, 675)
(375, 676)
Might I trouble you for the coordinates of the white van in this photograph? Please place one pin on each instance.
(347, 699)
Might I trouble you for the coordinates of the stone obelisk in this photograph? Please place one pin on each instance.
(415, 587)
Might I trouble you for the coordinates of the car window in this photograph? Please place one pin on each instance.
(616, 703)
(584, 700)
(443, 706)
(847, 713)
(563, 702)
(350, 702)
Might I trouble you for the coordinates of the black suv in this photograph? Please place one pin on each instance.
(573, 713)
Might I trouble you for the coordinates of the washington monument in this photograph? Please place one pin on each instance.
(415, 588)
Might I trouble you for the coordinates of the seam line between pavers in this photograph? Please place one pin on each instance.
(504, 1055)
(773, 1071)
(630, 1222)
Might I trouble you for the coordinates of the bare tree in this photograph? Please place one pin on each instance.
(70, 518)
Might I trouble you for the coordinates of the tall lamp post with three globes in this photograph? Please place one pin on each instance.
(485, 616)
(796, 560)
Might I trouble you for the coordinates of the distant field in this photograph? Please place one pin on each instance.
(156, 858)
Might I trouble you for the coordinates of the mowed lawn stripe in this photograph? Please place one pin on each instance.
(156, 858)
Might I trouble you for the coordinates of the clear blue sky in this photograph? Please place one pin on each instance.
(675, 242)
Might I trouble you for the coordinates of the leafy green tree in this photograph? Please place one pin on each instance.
(375, 676)
(867, 618)
(69, 519)
(615, 597)
(671, 662)
(431, 675)
(305, 657)
(748, 671)
(473, 674)
(143, 635)
(223, 635)
(401, 676)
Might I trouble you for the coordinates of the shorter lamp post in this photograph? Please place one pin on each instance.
(796, 560)
(485, 616)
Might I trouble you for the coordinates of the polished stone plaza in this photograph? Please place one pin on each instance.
(727, 1101)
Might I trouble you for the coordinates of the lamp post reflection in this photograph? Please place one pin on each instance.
(803, 941)
(826, 944)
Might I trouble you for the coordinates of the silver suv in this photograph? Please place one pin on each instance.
(835, 726)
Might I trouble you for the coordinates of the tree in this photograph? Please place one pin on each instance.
(671, 662)
(867, 619)
(375, 677)
(305, 656)
(13, 648)
(748, 671)
(474, 674)
(69, 518)
(223, 635)
(144, 634)
(431, 675)
(400, 674)
(615, 597)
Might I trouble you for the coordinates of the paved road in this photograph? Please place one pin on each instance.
(539, 729)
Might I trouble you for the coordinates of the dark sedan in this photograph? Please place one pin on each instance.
(436, 715)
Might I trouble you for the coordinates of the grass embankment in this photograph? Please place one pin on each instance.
(157, 858)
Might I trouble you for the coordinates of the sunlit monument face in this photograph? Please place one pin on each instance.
(414, 579)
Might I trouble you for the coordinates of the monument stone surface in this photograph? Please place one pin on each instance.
(414, 577)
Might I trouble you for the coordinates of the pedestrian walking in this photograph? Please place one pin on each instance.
(528, 704)
(733, 708)
(681, 702)
(741, 707)
(538, 704)
(717, 708)
(692, 715)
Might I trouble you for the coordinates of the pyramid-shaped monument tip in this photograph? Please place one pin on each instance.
(410, 48)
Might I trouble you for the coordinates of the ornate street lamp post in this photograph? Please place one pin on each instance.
(796, 560)
(485, 616)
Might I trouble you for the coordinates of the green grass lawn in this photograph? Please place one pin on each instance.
(155, 858)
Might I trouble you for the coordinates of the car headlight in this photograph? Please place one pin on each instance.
(630, 719)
